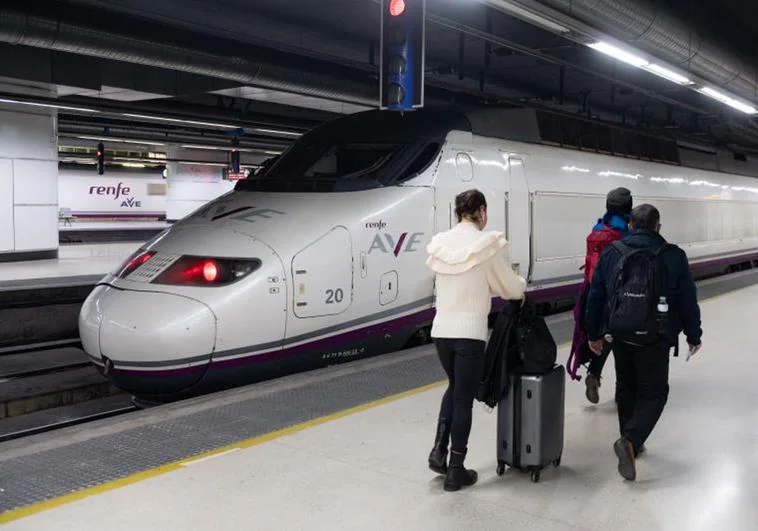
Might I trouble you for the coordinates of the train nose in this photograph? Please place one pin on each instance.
(148, 343)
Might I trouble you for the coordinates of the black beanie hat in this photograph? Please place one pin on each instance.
(619, 201)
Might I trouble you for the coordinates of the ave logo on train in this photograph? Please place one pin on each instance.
(387, 243)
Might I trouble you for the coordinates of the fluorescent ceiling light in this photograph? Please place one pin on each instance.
(276, 132)
(47, 105)
(618, 53)
(179, 120)
(120, 140)
(668, 74)
(533, 17)
(723, 98)
(132, 165)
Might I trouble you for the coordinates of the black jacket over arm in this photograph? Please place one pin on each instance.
(682, 294)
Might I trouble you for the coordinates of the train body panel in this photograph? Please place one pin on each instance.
(339, 272)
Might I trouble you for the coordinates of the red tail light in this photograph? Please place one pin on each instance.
(134, 261)
(203, 271)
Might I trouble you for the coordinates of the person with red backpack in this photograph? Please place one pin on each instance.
(614, 225)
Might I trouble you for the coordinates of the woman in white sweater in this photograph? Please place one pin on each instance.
(470, 266)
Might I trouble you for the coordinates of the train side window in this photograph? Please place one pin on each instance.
(465, 167)
(421, 162)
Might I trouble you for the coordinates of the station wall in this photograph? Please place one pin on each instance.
(28, 180)
(131, 195)
(112, 196)
(191, 186)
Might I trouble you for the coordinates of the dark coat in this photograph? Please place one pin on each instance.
(684, 310)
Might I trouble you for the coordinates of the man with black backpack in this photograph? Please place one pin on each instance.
(641, 297)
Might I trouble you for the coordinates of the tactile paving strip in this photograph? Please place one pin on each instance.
(52, 473)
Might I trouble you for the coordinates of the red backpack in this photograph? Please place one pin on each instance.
(596, 242)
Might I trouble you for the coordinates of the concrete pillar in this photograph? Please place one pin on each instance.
(28, 179)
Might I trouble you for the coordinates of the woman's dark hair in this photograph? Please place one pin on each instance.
(468, 203)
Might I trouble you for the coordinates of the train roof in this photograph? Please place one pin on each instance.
(537, 126)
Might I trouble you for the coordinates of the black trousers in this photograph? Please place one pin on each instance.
(463, 361)
(642, 388)
(597, 363)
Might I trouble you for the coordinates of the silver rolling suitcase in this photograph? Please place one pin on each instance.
(530, 422)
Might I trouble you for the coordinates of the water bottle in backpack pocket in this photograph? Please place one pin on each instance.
(637, 306)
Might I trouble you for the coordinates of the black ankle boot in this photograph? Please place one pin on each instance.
(438, 455)
(457, 475)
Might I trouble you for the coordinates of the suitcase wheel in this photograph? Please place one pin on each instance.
(535, 476)
(500, 468)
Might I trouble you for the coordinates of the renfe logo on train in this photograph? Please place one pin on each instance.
(386, 243)
(380, 224)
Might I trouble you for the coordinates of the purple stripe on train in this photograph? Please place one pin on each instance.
(418, 318)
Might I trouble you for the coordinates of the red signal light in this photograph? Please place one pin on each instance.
(397, 7)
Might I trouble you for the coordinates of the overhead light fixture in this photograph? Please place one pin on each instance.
(132, 165)
(668, 74)
(179, 120)
(120, 140)
(618, 53)
(527, 15)
(728, 100)
(276, 132)
(47, 105)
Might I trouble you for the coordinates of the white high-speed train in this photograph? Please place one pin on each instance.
(320, 259)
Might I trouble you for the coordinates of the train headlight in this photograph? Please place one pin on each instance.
(207, 271)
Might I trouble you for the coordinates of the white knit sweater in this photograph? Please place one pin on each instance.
(470, 266)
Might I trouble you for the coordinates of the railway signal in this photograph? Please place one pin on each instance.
(402, 55)
(100, 158)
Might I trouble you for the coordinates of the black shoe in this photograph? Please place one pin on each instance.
(457, 475)
(438, 455)
(593, 385)
(438, 461)
(625, 453)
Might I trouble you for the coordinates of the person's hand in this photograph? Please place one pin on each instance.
(693, 349)
(596, 347)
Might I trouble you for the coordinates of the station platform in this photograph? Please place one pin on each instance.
(346, 447)
(76, 265)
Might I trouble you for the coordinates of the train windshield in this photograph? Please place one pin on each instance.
(344, 165)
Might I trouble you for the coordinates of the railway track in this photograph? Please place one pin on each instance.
(51, 426)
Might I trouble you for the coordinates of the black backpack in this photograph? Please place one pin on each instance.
(536, 347)
(640, 280)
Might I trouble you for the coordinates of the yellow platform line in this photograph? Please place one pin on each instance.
(35, 508)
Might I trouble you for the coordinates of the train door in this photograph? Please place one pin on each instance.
(518, 214)
(463, 168)
(322, 275)
(456, 173)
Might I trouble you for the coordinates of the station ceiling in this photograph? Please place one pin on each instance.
(194, 70)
